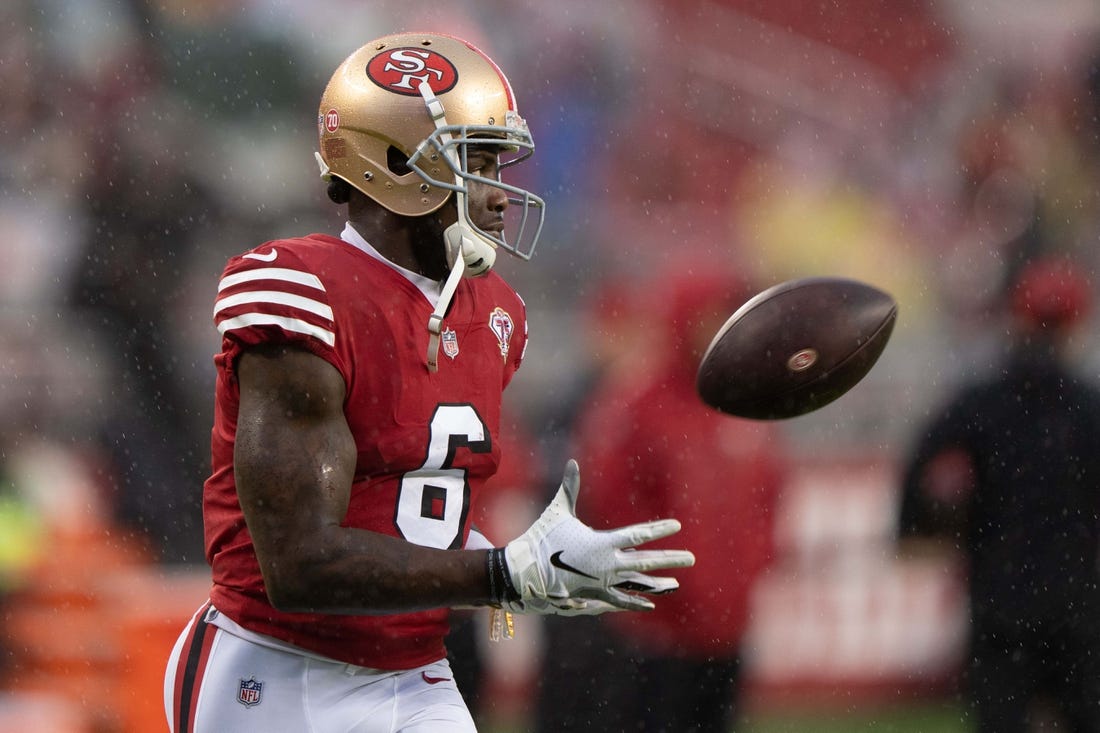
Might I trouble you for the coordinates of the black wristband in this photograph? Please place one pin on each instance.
(501, 588)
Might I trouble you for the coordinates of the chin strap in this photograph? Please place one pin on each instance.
(435, 320)
(466, 256)
(467, 253)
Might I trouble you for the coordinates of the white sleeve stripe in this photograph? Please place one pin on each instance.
(277, 297)
(289, 324)
(272, 273)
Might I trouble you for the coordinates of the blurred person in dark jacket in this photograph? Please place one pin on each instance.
(1009, 472)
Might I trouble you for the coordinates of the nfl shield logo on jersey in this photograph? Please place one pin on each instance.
(449, 340)
(250, 692)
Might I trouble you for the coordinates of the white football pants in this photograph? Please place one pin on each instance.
(222, 678)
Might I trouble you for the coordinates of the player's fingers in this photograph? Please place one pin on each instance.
(570, 486)
(629, 601)
(643, 561)
(638, 534)
(639, 583)
(590, 607)
(614, 597)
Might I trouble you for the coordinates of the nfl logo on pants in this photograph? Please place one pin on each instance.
(250, 692)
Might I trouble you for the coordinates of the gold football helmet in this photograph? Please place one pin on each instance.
(394, 123)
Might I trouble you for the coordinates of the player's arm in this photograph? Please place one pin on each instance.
(294, 462)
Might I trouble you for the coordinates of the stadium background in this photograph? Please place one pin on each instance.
(143, 143)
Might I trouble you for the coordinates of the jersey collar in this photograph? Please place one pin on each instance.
(430, 288)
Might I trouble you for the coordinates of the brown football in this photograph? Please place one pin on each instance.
(796, 347)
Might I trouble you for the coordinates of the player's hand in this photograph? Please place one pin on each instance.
(562, 566)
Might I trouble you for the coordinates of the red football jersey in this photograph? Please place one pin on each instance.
(426, 441)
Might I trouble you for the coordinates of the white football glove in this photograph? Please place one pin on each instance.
(562, 566)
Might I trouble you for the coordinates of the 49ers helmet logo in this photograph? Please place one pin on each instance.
(401, 70)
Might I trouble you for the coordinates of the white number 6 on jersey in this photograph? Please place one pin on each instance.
(433, 501)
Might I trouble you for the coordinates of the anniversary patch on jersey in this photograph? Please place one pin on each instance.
(501, 324)
(401, 70)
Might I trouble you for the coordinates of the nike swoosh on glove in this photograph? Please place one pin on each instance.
(562, 566)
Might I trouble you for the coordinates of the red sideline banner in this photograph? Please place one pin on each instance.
(844, 612)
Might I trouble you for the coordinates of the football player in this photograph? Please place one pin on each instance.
(358, 404)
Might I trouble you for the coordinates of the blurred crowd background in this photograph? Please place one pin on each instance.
(929, 147)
